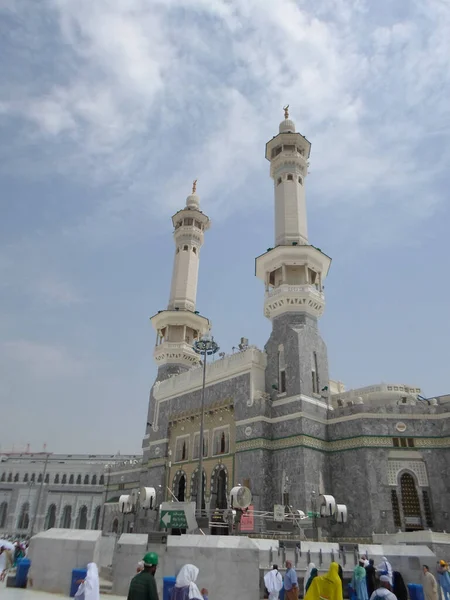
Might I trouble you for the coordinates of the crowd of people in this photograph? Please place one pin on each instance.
(369, 582)
(10, 553)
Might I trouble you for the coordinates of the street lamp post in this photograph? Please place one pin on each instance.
(206, 347)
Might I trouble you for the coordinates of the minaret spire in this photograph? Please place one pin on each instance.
(293, 271)
(180, 325)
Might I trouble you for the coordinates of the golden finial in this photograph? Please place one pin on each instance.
(194, 186)
(286, 111)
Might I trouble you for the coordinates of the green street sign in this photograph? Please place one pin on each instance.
(174, 519)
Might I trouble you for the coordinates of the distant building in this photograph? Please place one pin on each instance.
(53, 490)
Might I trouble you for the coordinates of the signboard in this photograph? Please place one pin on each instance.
(278, 512)
(248, 519)
(177, 515)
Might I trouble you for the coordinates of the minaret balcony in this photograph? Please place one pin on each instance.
(294, 298)
(176, 353)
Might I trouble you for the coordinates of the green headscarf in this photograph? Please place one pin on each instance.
(314, 574)
(359, 573)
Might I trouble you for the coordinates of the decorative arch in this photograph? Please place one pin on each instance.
(66, 519)
(86, 480)
(23, 521)
(179, 485)
(94, 480)
(3, 477)
(3, 514)
(16, 478)
(219, 487)
(50, 519)
(194, 487)
(72, 479)
(96, 518)
(102, 480)
(79, 480)
(412, 513)
(82, 518)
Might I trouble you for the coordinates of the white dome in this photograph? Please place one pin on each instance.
(287, 126)
(193, 201)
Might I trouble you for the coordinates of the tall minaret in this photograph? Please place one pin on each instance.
(180, 325)
(293, 273)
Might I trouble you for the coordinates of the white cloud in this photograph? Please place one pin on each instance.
(149, 95)
(40, 361)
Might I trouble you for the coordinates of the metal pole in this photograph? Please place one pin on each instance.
(38, 501)
(200, 446)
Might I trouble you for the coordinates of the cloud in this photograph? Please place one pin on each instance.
(145, 96)
(41, 361)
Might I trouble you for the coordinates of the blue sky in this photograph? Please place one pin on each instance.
(109, 110)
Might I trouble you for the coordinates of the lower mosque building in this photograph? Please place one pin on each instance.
(274, 422)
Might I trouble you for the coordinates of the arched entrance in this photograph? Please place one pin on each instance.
(96, 519)
(82, 518)
(66, 519)
(51, 517)
(24, 517)
(3, 514)
(219, 485)
(410, 503)
(179, 486)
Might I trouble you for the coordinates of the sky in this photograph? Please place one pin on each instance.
(109, 110)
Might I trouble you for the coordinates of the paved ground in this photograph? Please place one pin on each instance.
(29, 594)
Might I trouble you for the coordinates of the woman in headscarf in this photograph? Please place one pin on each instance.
(358, 583)
(89, 588)
(399, 587)
(313, 575)
(326, 586)
(385, 568)
(185, 586)
(309, 569)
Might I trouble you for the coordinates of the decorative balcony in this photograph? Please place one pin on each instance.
(294, 298)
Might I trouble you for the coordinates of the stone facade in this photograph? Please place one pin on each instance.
(59, 491)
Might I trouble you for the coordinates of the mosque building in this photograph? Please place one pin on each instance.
(274, 422)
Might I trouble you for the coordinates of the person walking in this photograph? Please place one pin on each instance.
(327, 586)
(444, 579)
(290, 582)
(385, 568)
(430, 587)
(385, 591)
(143, 585)
(311, 566)
(358, 583)
(89, 588)
(273, 582)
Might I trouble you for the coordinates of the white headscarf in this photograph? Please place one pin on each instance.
(311, 566)
(91, 585)
(187, 577)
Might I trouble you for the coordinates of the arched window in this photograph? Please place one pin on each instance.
(82, 518)
(79, 480)
(33, 477)
(56, 480)
(50, 519)
(24, 517)
(115, 526)
(410, 503)
(25, 478)
(281, 370)
(181, 492)
(221, 441)
(3, 514)
(16, 477)
(86, 480)
(3, 477)
(185, 248)
(40, 478)
(194, 250)
(96, 518)
(47, 478)
(94, 480)
(10, 478)
(222, 490)
(66, 519)
(64, 478)
(184, 452)
(72, 479)
(102, 480)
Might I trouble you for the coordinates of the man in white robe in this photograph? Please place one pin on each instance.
(273, 582)
(385, 568)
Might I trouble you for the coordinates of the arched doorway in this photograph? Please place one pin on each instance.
(115, 526)
(219, 485)
(3, 514)
(82, 518)
(410, 503)
(194, 488)
(96, 519)
(51, 517)
(66, 519)
(24, 517)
